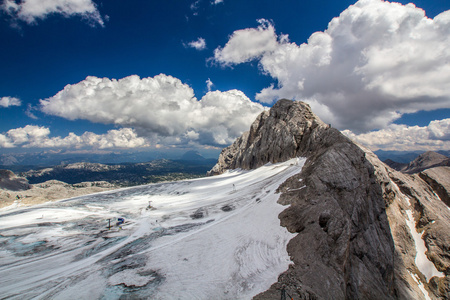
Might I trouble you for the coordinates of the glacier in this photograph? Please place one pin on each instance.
(214, 237)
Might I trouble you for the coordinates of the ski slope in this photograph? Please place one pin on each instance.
(211, 238)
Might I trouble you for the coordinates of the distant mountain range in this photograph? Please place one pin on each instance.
(20, 162)
(37, 184)
(35, 168)
(404, 156)
(16, 191)
(122, 174)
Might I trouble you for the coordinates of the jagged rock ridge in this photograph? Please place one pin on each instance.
(348, 209)
(284, 132)
(424, 161)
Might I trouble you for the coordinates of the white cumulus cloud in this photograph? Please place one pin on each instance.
(373, 63)
(224, 116)
(209, 84)
(131, 101)
(30, 11)
(159, 107)
(440, 130)
(32, 136)
(435, 136)
(247, 44)
(199, 44)
(10, 101)
(29, 134)
(5, 142)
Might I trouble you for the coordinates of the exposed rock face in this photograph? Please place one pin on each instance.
(287, 130)
(349, 210)
(439, 179)
(431, 217)
(425, 161)
(10, 181)
(344, 248)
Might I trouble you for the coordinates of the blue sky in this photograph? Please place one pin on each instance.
(202, 70)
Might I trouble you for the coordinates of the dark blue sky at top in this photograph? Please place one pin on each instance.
(146, 38)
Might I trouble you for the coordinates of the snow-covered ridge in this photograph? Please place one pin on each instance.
(217, 237)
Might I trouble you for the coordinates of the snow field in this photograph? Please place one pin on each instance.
(425, 266)
(423, 263)
(212, 237)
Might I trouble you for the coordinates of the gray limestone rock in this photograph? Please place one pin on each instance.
(344, 248)
(439, 180)
(403, 193)
(348, 210)
(10, 181)
(425, 161)
(289, 129)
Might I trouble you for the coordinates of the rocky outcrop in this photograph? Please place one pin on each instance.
(349, 210)
(289, 129)
(425, 161)
(10, 181)
(409, 198)
(439, 180)
(344, 248)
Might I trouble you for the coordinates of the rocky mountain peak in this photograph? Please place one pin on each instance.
(426, 160)
(356, 220)
(289, 129)
(192, 155)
